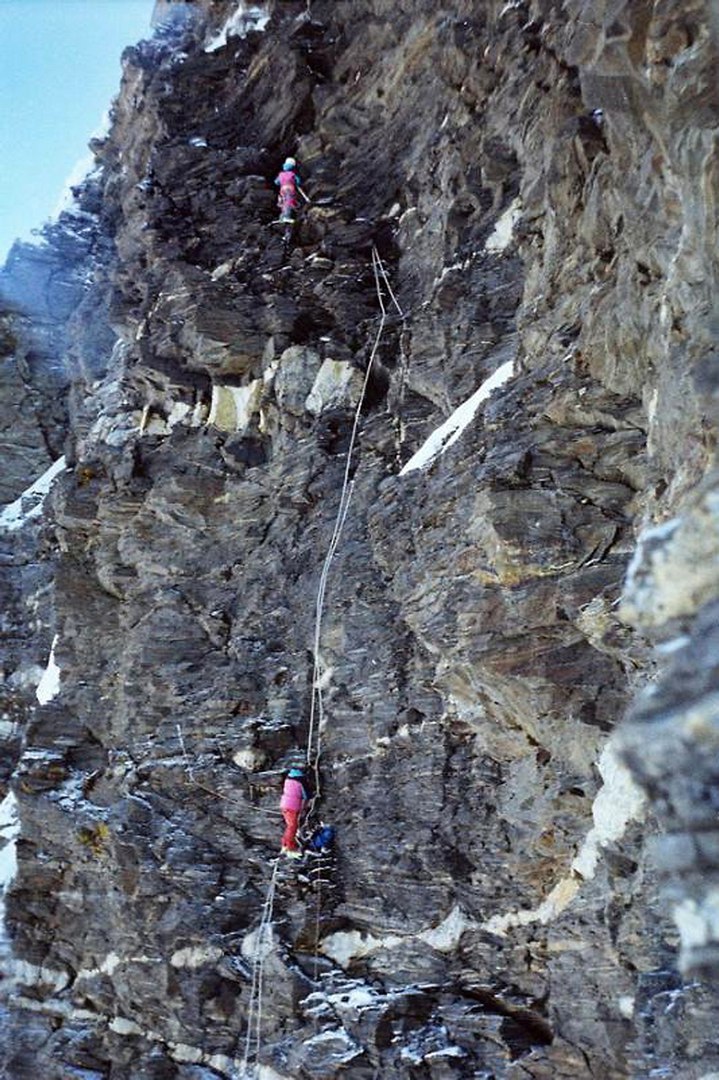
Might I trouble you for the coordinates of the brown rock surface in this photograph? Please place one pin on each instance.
(539, 182)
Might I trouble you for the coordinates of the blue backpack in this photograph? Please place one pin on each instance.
(322, 838)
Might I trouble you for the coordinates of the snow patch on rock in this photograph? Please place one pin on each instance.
(499, 240)
(247, 17)
(195, 956)
(626, 1006)
(49, 685)
(24, 973)
(29, 505)
(83, 169)
(359, 997)
(445, 937)
(348, 945)
(445, 1052)
(448, 432)
(122, 1026)
(698, 921)
(618, 802)
(9, 831)
(108, 965)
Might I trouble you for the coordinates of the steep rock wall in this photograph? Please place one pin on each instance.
(537, 183)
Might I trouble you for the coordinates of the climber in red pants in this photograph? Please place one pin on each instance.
(293, 799)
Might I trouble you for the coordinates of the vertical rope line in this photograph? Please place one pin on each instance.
(254, 1010)
(314, 740)
(260, 981)
(347, 488)
(188, 764)
(263, 939)
(318, 910)
(383, 272)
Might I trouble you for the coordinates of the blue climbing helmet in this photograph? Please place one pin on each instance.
(290, 163)
(296, 774)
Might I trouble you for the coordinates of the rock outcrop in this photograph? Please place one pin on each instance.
(428, 494)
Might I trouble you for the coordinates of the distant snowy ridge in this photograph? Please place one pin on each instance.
(448, 432)
(18, 513)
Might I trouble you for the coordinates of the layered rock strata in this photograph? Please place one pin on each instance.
(537, 183)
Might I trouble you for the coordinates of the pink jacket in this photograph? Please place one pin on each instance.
(293, 795)
(287, 179)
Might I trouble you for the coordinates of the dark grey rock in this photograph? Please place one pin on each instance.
(480, 638)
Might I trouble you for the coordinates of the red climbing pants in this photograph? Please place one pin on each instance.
(289, 836)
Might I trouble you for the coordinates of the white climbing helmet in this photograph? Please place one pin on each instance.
(289, 163)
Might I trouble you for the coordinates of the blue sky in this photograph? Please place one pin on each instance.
(59, 70)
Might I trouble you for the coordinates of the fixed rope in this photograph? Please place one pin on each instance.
(263, 939)
(316, 720)
(263, 944)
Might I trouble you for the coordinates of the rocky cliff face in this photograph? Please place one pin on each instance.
(428, 495)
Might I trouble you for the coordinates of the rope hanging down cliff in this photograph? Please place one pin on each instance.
(263, 944)
(316, 720)
(263, 939)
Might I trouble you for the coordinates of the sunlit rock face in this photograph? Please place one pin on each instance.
(500, 298)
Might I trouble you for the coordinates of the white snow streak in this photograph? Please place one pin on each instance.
(499, 240)
(49, 685)
(618, 802)
(247, 17)
(17, 513)
(359, 997)
(9, 829)
(346, 945)
(122, 1026)
(445, 937)
(9, 832)
(196, 956)
(553, 905)
(698, 921)
(448, 432)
